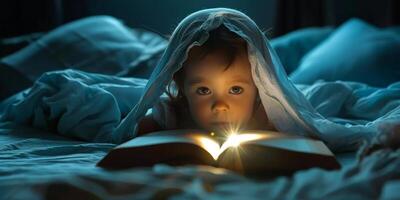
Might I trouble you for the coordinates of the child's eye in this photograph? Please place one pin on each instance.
(203, 91)
(236, 90)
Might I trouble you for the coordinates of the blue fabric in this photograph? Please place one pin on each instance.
(40, 157)
(293, 46)
(75, 104)
(37, 164)
(356, 51)
(103, 108)
(286, 106)
(99, 44)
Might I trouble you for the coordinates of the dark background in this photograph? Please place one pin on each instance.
(18, 17)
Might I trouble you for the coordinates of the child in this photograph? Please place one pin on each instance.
(214, 90)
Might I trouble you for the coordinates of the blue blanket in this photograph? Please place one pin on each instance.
(38, 164)
(76, 104)
(102, 108)
(91, 106)
(53, 133)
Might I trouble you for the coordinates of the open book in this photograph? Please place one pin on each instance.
(248, 152)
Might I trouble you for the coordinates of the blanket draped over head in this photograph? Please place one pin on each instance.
(285, 105)
(309, 110)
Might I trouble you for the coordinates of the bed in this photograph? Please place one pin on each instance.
(39, 159)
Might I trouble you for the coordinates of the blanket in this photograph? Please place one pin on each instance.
(53, 133)
(329, 111)
(38, 164)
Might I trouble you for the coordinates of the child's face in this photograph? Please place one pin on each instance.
(219, 99)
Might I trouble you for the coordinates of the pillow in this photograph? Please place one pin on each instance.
(99, 44)
(294, 45)
(356, 51)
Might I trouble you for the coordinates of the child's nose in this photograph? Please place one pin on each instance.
(220, 106)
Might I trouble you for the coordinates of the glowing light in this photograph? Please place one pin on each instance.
(233, 140)
(212, 133)
(211, 146)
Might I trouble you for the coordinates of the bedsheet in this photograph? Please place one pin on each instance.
(49, 146)
(53, 133)
(37, 164)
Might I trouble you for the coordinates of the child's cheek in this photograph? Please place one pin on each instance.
(242, 108)
(198, 109)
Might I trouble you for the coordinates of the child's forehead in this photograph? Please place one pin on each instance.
(237, 71)
(215, 63)
(220, 79)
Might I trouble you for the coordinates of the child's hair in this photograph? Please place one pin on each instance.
(220, 39)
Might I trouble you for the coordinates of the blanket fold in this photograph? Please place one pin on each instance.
(103, 108)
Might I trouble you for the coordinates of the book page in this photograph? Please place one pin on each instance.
(163, 137)
(303, 145)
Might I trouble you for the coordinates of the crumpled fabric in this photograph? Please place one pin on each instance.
(99, 44)
(342, 114)
(76, 104)
(287, 107)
